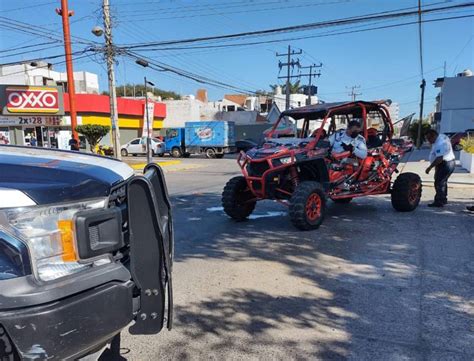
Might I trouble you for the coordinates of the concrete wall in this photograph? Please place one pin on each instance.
(254, 132)
(457, 104)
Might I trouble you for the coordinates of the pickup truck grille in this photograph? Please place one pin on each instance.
(118, 198)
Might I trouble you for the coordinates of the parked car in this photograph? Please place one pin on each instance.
(85, 252)
(137, 146)
(404, 143)
(245, 145)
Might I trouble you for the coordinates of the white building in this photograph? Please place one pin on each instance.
(42, 73)
(296, 100)
(455, 103)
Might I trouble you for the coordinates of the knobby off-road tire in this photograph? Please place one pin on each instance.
(308, 206)
(406, 192)
(237, 199)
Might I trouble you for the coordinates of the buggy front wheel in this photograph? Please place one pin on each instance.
(238, 200)
(406, 192)
(307, 206)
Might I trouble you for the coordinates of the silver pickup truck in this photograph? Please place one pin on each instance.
(86, 249)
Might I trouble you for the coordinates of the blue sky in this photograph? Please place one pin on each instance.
(385, 63)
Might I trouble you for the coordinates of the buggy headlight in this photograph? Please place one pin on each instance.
(49, 234)
(280, 161)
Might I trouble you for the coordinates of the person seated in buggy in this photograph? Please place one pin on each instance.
(350, 148)
(349, 140)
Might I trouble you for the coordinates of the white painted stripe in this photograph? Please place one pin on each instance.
(14, 198)
(119, 168)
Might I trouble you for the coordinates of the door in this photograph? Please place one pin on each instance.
(134, 147)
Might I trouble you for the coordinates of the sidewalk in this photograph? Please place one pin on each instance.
(417, 162)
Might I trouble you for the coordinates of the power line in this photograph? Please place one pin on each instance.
(307, 37)
(302, 27)
(353, 94)
(290, 64)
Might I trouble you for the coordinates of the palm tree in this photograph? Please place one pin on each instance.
(294, 87)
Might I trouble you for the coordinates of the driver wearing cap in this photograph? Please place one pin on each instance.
(349, 140)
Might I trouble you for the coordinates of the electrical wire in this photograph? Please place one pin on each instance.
(301, 27)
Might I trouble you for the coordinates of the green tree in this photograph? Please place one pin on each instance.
(413, 130)
(295, 87)
(93, 133)
(139, 91)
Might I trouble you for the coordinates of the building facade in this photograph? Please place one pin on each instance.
(455, 103)
(42, 74)
(29, 117)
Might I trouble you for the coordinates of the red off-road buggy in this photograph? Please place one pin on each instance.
(300, 171)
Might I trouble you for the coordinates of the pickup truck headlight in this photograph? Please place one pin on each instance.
(50, 235)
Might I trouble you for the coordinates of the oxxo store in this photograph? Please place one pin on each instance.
(51, 124)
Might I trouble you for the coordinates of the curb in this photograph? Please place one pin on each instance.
(140, 166)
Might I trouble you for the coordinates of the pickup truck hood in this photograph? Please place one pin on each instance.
(50, 176)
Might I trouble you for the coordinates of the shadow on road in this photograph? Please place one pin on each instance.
(369, 284)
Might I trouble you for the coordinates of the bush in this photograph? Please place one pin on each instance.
(93, 133)
(467, 144)
(413, 131)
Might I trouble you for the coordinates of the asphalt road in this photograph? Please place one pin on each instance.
(370, 284)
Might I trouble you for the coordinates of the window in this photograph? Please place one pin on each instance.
(231, 108)
(135, 141)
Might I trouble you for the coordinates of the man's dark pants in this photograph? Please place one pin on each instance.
(442, 172)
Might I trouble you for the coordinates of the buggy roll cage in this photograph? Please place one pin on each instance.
(330, 109)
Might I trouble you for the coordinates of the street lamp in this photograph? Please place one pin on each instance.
(148, 138)
(145, 64)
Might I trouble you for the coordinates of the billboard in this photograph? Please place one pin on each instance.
(27, 100)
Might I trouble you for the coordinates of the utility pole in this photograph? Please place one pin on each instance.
(423, 82)
(353, 94)
(311, 75)
(109, 54)
(290, 64)
(65, 14)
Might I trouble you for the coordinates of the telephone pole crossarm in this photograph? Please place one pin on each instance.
(290, 64)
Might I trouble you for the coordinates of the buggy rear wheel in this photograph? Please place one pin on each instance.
(406, 192)
(308, 206)
(237, 199)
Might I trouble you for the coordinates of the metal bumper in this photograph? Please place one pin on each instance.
(72, 327)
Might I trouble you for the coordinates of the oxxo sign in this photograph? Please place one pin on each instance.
(26, 100)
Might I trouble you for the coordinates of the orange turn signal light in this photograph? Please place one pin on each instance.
(66, 230)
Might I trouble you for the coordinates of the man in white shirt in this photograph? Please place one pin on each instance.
(442, 159)
(349, 140)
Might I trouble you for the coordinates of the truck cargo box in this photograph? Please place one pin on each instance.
(210, 134)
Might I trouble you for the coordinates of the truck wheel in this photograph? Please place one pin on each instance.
(406, 192)
(237, 199)
(308, 206)
(219, 156)
(124, 152)
(210, 153)
(342, 200)
(176, 152)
